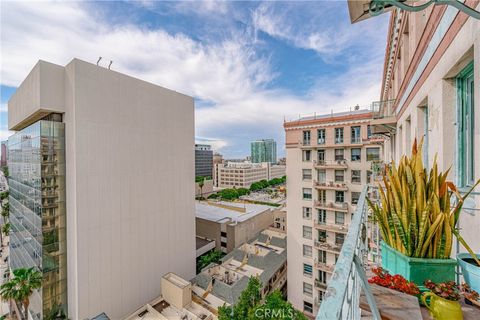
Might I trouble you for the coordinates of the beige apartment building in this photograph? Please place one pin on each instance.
(95, 201)
(329, 160)
(243, 174)
(230, 224)
(430, 91)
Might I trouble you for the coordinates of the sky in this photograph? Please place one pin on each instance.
(249, 65)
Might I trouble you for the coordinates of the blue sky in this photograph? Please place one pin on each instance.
(249, 65)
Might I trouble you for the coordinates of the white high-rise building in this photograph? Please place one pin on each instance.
(97, 204)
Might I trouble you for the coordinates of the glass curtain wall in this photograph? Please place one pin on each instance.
(37, 200)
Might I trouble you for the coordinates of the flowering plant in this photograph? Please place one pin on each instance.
(451, 291)
(396, 282)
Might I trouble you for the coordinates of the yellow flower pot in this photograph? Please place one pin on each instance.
(442, 309)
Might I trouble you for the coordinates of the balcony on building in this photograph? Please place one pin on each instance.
(334, 164)
(338, 228)
(322, 244)
(324, 266)
(384, 120)
(331, 185)
(320, 285)
(337, 206)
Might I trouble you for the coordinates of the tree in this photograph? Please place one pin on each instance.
(242, 191)
(5, 171)
(4, 195)
(21, 287)
(249, 306)
(6, 210)
(229, 194)
(201, 183)
(207, 258)
(6, 228)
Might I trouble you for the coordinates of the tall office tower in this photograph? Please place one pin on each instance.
(97, 205)
(328, 163)
(264, 151)
(203, 160)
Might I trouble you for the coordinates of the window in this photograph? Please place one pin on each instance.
(339, 238)
(466, 127)
(307, 213)
(369, 132)
(307, 232)
(373, 154)
(322, 196)
(307, 289)
(356, 154)
(307, 307)
(307, 174)
(306, 138)
(307, 270)
(339, 196)
(355, 137)
(369, 175)
(339, 217)
(339, 175)
(322, 175)
(321, 295)
(339, 154)
(223, 234)
(307, 155)
(307, 251)
(355, 197)
(322, 216)
(322, 235)
(338, 135)
(321, 155)
(307, 193)
(322, 276)
(223, 244)
(321, 136)
(356, 176)
(322, 256)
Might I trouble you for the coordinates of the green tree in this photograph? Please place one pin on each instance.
(4, 195)
(201, 183)
(6, 210)
(207, 258)
(250, 307)
(229, 194)
(243, 191)
(56, 313)
(21, 287)
(5, 171)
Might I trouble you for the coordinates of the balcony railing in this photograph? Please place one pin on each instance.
(331, 247)
(341, 164)
(383, 109)
(340, 228)
(356, 140)
(320, 285)
(342, 299)
(340, 206)
(331, 185)
(323, 266)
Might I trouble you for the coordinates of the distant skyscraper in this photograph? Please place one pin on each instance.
(264, 150)
(203, 160)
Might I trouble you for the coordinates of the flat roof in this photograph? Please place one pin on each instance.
(223, 211)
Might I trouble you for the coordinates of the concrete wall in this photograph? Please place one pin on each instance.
(208, 229)
(242, 232)
(130, 219)
(439, 93)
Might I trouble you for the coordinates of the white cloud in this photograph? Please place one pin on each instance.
(229, 75)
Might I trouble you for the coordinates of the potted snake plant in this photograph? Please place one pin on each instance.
(417, 221)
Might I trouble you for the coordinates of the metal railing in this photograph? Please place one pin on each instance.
(383, 109)
(342, 299)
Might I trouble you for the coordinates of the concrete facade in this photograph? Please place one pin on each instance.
(243, 174)
(432, 48)
(325, 176)
(231, 224)
(128, 216)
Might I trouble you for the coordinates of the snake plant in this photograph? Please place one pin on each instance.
(419, 210)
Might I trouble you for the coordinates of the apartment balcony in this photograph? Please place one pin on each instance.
(324, 267)
(384, 119)
(356, 140)
(331, 185)
(329, 247)
(320, 285)
(337, 228)
(334, 164)
(334, 206)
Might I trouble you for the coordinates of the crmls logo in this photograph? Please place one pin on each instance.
(273, 313)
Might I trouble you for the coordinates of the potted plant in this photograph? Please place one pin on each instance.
(470, 270)
(443, 299)
(416, 220)
(395, 282)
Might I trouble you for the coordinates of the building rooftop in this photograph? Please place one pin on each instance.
(329, 117)
(262, 257)
(223, 211)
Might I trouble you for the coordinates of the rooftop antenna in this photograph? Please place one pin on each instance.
(98, 61)
(110, 64)
(357, 107)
